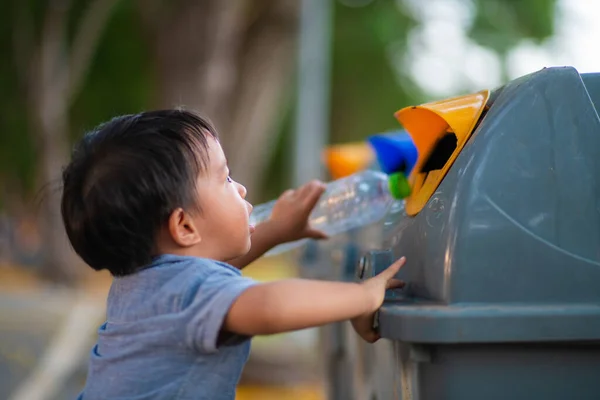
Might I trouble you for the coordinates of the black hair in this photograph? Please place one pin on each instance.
(124, 180)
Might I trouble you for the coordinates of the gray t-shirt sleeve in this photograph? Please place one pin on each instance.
(209, 305)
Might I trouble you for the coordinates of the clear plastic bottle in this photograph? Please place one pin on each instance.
(351, 202)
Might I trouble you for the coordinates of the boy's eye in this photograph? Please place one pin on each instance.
(229, 179)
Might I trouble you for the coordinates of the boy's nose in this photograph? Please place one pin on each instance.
(242, 190)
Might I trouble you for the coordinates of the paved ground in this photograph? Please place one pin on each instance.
(31, 318)
(28, 322)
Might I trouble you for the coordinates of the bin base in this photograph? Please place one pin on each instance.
(503, 371)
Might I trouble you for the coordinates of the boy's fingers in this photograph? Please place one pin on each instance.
(301, 191)
(313, 192)
(314, 185)
(370, 337)
(305, 188)
(394, 284)
(393, 269)
(316, 234)
(287, 193)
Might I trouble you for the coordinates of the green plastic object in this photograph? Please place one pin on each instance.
(399, 186)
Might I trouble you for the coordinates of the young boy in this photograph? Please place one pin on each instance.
(149, 198)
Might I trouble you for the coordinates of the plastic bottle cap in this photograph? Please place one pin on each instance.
(398, 185)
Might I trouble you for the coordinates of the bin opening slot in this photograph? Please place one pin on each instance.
(439, 130)
(441, 153)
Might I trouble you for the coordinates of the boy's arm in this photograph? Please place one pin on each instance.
(264, 238)
(288, 222)
(297, 304)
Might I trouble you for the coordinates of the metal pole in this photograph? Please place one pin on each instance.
(311, 135)
(312, 112)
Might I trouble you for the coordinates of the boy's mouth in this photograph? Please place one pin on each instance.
(251, 228)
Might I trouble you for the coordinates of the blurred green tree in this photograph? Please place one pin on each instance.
(52, 48)
(501, 24)
(366, 89)
(237, 74)
(79, 63)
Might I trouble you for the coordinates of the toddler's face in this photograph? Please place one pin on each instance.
(223, 221)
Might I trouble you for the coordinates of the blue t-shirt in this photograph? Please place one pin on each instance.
(162, 337)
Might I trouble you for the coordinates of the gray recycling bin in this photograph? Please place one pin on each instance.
(503, 275)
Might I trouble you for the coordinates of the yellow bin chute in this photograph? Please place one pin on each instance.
(439, 130)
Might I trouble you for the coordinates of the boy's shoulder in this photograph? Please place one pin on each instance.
(169, 264)
(168, 269)
(169, 285)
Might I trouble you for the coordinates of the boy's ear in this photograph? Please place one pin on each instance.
(182, 229)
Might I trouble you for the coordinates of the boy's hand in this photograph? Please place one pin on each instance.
(376, 287)
(291, 211)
